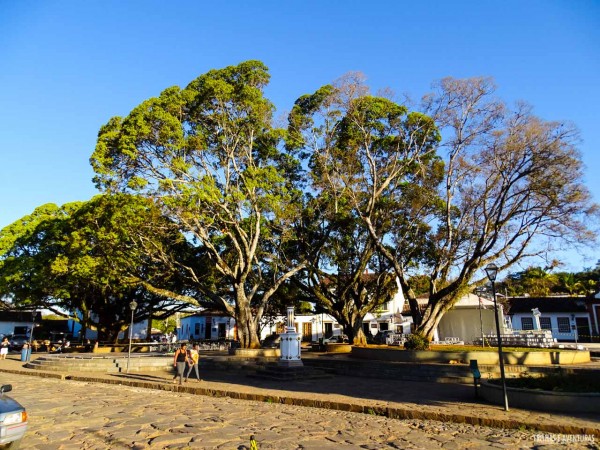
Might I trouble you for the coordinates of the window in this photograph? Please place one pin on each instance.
(526, 323)
(545, 323)
(564, 325)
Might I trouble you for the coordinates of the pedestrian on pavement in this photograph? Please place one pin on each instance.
(194, 357)
(179, 362)
(4, 348)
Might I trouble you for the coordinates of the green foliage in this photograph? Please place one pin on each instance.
(541, 282)
(416, 342)
(168, 325)
(210, 157)
(372, 164)
(88, 257)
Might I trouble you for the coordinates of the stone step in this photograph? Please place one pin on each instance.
(71, 368)
(100, 364)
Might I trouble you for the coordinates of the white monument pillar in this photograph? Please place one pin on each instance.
(536, 319)
(290, 343)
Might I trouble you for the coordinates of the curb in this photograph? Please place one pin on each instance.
(389, 412)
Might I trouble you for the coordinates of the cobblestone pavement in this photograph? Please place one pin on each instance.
(80, 415)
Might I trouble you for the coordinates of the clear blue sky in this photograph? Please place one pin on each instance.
(66, 67)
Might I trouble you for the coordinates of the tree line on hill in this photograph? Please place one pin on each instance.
(207, 201)
(544, 281)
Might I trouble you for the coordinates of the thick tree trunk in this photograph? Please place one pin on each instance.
(352, 328)
(248, 335)
(247, 327)
(431, 319)
(359, 338)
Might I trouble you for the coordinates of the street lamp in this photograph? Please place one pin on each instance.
(479, 293)
(491, 271)
(132, 305)
(28, 354)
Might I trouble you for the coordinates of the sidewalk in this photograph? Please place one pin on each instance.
(395, 399)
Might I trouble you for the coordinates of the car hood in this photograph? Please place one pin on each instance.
(7, 404)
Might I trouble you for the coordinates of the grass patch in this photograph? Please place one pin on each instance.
(579, 383)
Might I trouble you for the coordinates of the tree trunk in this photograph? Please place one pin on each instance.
(431, 319)
(352, 328)
(149, 327)
(246, 324)
(359, 338)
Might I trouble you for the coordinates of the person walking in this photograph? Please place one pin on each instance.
(4, 345)
(194, 357)
(179, 362)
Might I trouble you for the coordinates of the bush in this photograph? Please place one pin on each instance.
(416, 342)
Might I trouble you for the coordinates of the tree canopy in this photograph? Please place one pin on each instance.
(83, 258)
(371, 161)
(219, 207)
(210, 157)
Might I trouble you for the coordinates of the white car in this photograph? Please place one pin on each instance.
(13, 420)
(338, 339)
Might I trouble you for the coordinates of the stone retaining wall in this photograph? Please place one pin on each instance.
(485, 357)
(565, 402)
(441, 373)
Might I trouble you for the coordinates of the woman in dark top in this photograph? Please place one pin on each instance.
(179, 362)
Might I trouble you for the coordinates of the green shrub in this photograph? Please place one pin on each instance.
(416, 342)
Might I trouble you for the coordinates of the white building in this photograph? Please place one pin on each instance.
(470, 318)
(567, 317)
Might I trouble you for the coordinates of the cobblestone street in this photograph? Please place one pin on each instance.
(79, 415)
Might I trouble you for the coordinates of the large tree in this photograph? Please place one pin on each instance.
(509, 188)
(83, 257)
(211, 158)
(374, 170)
(344, 275)
(513, 189)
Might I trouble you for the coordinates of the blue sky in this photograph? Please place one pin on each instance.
(66, 67)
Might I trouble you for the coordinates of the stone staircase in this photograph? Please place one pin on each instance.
(107, 364)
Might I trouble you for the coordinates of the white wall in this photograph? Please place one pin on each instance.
(569, 336)
(464, 323)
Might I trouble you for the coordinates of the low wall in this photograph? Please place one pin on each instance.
(567, 402)
(542, 358)
(121, 349)
(338, 348)
(256, 352)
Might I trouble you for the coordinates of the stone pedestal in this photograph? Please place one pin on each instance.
(290, 350)
(290, 343)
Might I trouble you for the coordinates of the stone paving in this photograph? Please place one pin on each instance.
(66, 415)
(139, 411)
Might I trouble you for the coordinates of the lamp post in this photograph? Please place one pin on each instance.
(132, 306)
(491, 271)
(28, 356)
(478, 292)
